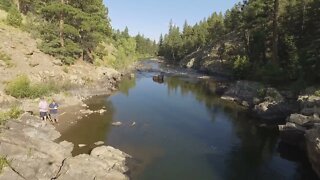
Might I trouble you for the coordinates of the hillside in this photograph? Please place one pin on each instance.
(20, 56)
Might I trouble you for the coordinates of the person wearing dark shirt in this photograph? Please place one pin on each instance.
(53, 109)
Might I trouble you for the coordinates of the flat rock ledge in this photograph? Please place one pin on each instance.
(32, 154)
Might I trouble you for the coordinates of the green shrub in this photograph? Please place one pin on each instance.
(14, 17)
(317, 93)
(65, 69)
(5, 4)
(3, 163)
(13, 113)
(241, 66)
(21, 87)
(32, 24)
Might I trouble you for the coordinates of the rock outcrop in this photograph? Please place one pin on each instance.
(313, 148)
(309, 105)
(274, 106)
(303, 129)
(32, 153)
(6, 101)
(243, 92)
(265, 103)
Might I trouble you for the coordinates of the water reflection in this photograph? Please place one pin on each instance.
(184, 131)
(126, 85)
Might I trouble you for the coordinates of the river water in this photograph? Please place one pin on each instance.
(180, 129)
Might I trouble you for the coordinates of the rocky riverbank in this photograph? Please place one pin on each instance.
(296, 115)
(302, 129)
(29, 146)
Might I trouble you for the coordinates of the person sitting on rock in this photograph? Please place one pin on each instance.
(43, 109)
(54, 111)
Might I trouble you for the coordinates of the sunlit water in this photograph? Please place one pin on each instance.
(184, 131)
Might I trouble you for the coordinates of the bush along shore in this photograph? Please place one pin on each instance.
(297, 115)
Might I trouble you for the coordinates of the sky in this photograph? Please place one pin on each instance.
(152, 17)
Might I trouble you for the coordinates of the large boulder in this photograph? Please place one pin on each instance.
(292, 134)
(243, 91)
(309, 105)
(302, 120)
(29, 147)
(271, 110)
(274, 106)
(114, 157)
(105, 162)
(313, 148)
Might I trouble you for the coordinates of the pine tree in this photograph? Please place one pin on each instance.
(73, 29)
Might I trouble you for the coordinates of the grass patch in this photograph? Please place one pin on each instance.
(13, 113)
(21, 87)
(6, 59)
(65, 69)
(3, 163)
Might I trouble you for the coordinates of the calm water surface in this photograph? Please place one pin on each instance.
(184, 131)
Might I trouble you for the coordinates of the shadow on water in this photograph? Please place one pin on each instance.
(182, 130)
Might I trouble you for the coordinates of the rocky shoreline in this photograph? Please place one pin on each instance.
(297, 116)
(29, 146)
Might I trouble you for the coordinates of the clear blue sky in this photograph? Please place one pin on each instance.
(152, 17)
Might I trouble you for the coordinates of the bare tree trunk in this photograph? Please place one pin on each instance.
(174, 58)
(275, 33)
(247, 41)
(61, 28)
(17, 3)
(303, 17)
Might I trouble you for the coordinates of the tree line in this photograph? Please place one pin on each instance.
(272, 40)
(76, 29)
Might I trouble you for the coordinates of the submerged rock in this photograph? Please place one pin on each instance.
(101, 111)
(86, 111)
(117, 123)
(99, 143)
(82, 145)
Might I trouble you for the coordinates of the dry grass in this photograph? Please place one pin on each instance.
(6, 59)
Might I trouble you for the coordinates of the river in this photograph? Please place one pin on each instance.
(180, 129)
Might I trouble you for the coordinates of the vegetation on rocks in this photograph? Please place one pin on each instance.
(13, 113)
(3, 163)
